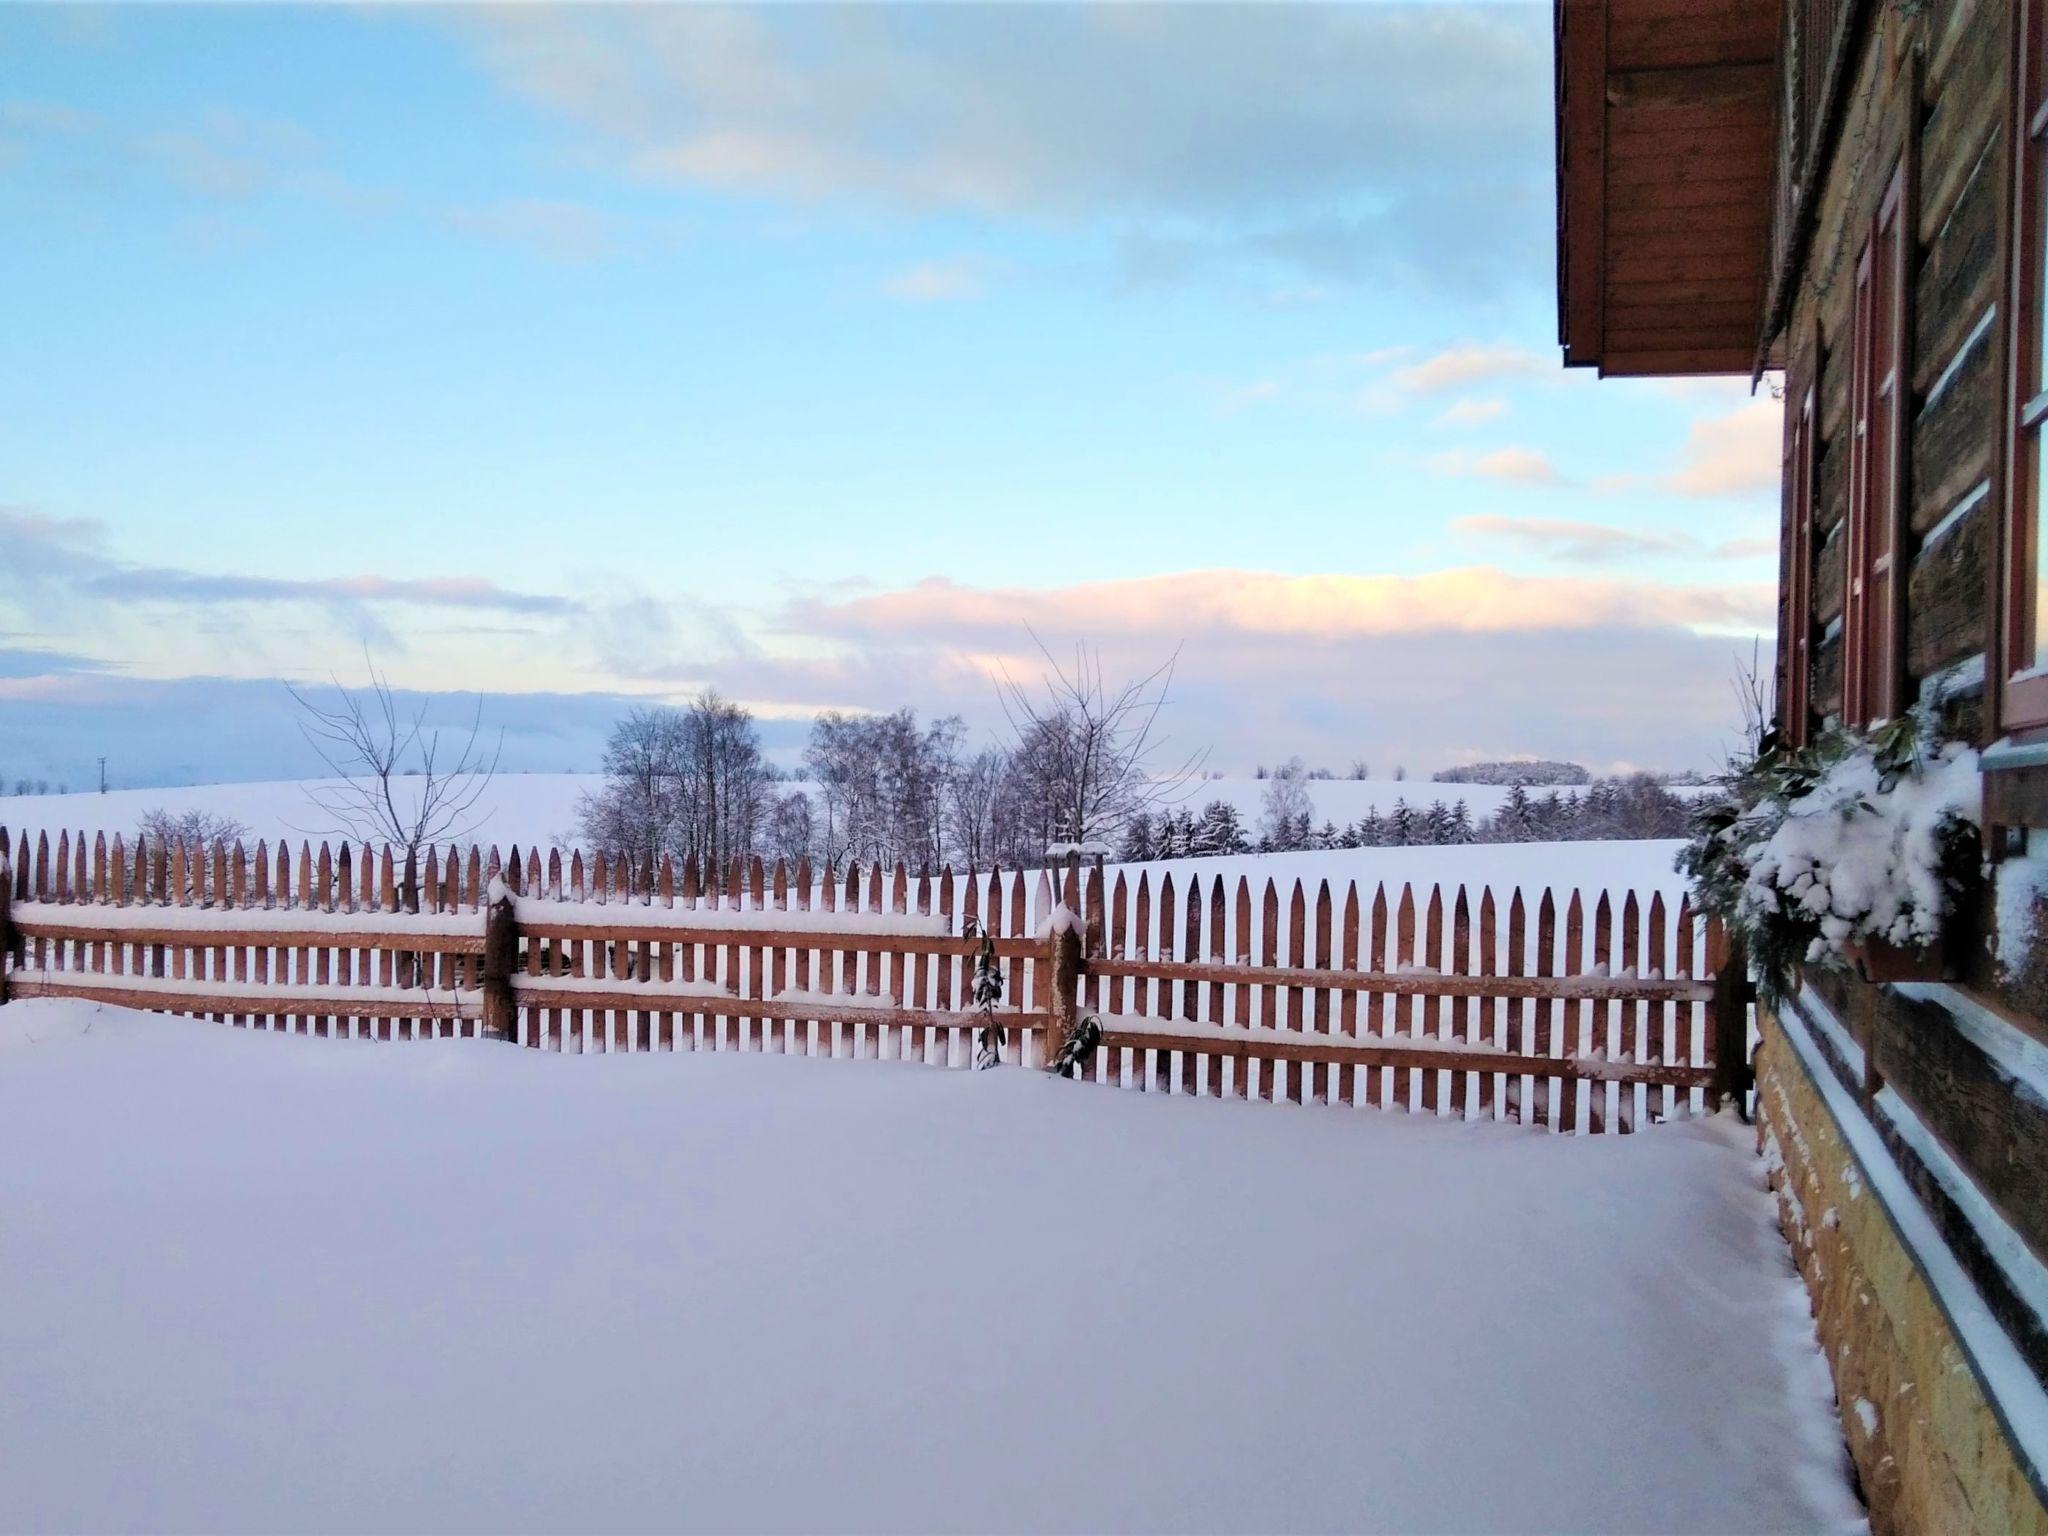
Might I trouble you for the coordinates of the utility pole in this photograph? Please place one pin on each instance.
(103, 775)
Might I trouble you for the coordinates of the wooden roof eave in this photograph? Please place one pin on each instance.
(1636, 94)
(1580, 89)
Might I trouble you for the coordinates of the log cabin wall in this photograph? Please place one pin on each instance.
(1937, 1089)
(1865, 151)
(1927, 89)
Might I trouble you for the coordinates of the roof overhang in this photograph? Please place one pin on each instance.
(1665, 139)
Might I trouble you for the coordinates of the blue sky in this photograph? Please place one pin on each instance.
(811, 354)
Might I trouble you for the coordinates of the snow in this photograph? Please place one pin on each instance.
(1225, 1036)
(254, 1280)
(639, 913)
(58, 914)
(1865, 862)
(530, 808)
(2019, 885)
(1088, 850)
(2008, 1379)
(339, 999)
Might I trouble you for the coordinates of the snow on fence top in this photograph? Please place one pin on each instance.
(1590, 1011)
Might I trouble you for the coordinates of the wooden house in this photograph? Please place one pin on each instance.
(1855, 192)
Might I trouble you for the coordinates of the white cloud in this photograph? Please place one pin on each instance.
(1590, 543)
(1475, 599)
(931, 282)
(561, 231)
(1469, 363)
(1471, 412)
(1732, 455)
(1518, 466)
(1316, 143)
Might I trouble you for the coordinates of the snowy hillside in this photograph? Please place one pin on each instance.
(541, 807)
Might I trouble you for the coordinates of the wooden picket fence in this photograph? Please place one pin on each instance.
(1590, 1015)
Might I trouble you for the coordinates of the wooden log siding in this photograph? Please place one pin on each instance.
(1552, 1008)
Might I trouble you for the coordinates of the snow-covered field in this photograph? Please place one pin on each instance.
(262, 1281)
(541, 807)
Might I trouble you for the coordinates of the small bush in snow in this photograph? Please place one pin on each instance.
(1848, 840)
(192, 828)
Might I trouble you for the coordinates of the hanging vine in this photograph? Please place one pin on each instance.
(990, 1036)
(1081, 1041)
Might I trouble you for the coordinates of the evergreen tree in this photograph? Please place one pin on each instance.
(1138, 844)
(1436, 823)
(1300, 830)
(1517, 820)
(1461, 823)
(1166, 844)
(1220, 830)
(1574, 816)
(1401, 825)
(1327, 836)
(1372, 830)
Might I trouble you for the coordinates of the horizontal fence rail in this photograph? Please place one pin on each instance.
(1563, 1012)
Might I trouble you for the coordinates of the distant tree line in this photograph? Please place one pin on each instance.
(1633, 807)
(1533, 771)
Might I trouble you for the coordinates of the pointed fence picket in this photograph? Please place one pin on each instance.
(1601, 1016)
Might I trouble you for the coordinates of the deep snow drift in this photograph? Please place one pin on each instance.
(261, 1281)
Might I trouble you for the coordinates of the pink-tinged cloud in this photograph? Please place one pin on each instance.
(1472, 600)
(1467, 363)
(1732, 455)
(1470, 413)
(1517, 466)
(1565, 539)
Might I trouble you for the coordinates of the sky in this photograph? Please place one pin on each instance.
(833, 357)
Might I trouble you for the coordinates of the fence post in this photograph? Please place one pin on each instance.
(1062, 1012)
(1728, 1018)
(501, 949)
(6, 921)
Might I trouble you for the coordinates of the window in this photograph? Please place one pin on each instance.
(1872, 660)
(1796, 626)
(2023, 700)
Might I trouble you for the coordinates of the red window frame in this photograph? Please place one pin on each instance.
(2023, 672)
(1873, 672)
(1796, 634)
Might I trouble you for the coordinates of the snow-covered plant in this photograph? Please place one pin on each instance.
(1085, 1036)
(1851, 839)
(990, 1036)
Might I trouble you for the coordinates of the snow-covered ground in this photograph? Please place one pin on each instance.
(541, 807)
(262, 1281)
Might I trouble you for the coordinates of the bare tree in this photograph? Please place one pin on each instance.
(639, 809)
(974, 807)
(792, 827)
(884, 783)
(1090, 746)
(1756, 700)
(1285, 807)
(688, 782)
(394, 781)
